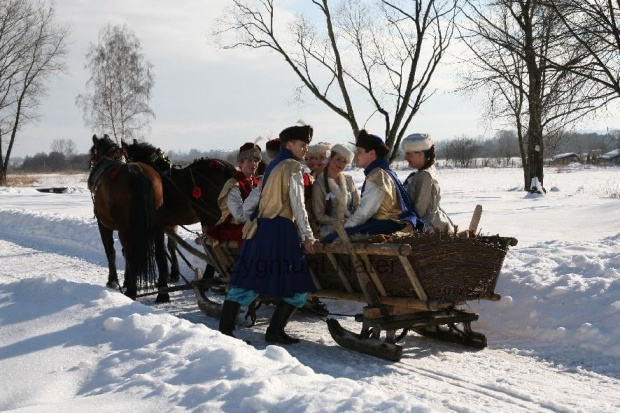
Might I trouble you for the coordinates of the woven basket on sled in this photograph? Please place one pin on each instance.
(451, 269)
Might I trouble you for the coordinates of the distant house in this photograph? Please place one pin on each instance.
(610, 158)
(565, 158)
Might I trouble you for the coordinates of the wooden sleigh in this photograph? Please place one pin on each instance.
(409, 282)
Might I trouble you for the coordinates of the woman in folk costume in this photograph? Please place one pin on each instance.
(422, 185)
(272, 261)
(235, 191)
(334, 195)
(384, 205)
(318, 155)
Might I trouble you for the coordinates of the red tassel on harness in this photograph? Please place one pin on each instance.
(113, 175)
(197, 192)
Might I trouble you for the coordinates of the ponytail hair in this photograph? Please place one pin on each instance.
(429, 158)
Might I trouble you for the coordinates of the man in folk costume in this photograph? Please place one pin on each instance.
(272, 261)
(273, 148)
(234, 193)
(384, 207)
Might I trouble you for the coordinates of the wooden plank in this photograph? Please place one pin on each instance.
(316, 280)
(373, 274)
(341, 274)
(389, 249)
(415, 283)
(185, 245)
(368, 288)
(405, 305)
(475, 219)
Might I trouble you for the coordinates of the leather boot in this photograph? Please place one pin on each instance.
(275, 332)
(228, 319)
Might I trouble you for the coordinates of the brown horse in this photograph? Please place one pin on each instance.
(190, 192)
(128, 198)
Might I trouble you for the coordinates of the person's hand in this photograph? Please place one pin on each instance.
(309, 246)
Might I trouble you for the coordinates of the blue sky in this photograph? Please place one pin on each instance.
(208, 98)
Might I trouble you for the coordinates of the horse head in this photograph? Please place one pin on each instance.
(147, 153)
(105, 148)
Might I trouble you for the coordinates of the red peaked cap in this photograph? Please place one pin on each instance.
(369, 142)
(299, 133)
(274, 145)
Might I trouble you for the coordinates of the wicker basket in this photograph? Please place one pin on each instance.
(451, 268)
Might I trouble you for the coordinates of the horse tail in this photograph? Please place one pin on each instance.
(140, 255)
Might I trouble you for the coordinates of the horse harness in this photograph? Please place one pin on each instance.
(115, 158)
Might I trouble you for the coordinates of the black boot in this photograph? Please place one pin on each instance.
(228, 319)
(275, 332)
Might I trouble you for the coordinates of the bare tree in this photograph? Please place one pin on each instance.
(32, 49)
(388, 50)
(594, 29)
(462, 150)
(121, 80)
(63, 146)
(511, 42)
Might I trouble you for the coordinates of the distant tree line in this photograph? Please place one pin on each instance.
(463, 151)
(61, 158)
(504, 148)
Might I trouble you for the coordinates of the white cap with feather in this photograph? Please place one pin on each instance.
(417, 142)
(343, 151)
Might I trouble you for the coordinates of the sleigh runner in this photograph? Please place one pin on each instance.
(410, 282)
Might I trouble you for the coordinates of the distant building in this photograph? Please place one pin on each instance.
(565, 158)
(610, 158)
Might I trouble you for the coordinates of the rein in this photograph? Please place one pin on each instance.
(160, 156)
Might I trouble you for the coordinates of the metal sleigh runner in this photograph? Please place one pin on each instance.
(409, 281)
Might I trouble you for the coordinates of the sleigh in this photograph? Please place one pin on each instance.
(409, 282)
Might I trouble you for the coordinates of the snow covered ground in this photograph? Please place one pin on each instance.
(69, 344)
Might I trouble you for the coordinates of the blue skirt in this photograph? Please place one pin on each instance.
(273, 263)
(372, 226)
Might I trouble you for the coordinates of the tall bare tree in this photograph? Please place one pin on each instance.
(594, 30)
(511, 42)
(121, 80)
(63, 146)
(388, 50)
(32, 49)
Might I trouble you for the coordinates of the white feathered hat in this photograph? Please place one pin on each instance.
(417, 142)
(321, 147)
(344, 151)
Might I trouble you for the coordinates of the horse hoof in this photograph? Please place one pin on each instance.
(163, 298)
(113, 285)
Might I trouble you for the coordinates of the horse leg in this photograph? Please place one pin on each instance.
(130, 282)
(209, 271)
(108, 245)
(162, 265)
(174, 261)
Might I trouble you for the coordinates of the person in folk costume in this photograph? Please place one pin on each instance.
(384, 206)
(318, 155)
(234, 193)
(334, 194)
(272, 261)
(272, 147)
(422, 186)
(312, 163)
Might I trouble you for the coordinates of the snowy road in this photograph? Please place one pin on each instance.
(554, 341)
(445, 377)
